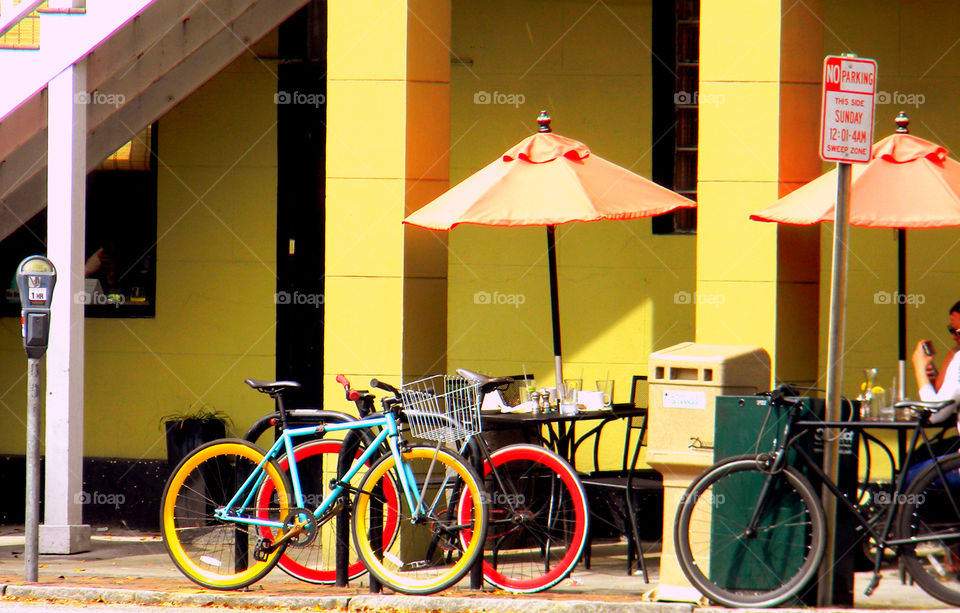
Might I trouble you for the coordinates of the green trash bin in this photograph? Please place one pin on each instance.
(748, 425)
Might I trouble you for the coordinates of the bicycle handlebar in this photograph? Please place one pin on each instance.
(361, 398)
(380, 385)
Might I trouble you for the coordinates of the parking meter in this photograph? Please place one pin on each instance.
(36, 277)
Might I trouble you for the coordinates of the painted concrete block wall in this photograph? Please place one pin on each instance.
(763, 277)
(623, 291)
(216, 279)
(387, 142)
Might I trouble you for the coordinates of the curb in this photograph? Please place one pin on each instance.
(373, 602)
(507, 605)
(147, 597)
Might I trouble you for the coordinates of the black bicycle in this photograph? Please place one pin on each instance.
(750, 531)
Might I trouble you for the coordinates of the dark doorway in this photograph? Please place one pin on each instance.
(301, 172)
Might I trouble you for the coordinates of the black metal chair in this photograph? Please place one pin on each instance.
(623, 491)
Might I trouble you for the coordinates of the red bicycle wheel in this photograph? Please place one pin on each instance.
(538, 519)
(316, 562)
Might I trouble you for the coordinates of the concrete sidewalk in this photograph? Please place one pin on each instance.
(125, 567)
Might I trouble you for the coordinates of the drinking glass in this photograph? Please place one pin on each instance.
(606, 386)
(568, 402)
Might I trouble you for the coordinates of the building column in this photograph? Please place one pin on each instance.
(757, 283)
(759, 131)
(63, 530)
(388, 125)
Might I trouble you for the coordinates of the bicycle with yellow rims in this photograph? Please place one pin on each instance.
(229, 510)
(205, 543)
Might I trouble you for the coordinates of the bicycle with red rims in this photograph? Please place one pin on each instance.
(538, 507)
(319, 464)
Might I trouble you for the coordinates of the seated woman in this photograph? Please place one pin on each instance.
(949, 387)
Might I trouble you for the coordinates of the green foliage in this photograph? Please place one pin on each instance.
(199, 412)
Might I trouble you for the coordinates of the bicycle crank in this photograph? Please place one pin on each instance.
(299, 528)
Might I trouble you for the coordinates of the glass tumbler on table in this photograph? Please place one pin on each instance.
(606, 386)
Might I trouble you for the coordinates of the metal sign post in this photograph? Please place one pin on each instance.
(846, 135)
(36, 277)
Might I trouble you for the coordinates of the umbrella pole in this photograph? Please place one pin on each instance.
(831, 444)
(902, 312)
(555, 307)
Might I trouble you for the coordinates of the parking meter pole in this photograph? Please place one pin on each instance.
(32, 511)
(36, 277)
(831, 446)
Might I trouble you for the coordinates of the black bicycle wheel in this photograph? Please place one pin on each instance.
(930, 515)
(738, 567)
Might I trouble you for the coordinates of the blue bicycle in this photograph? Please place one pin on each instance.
(229, 510)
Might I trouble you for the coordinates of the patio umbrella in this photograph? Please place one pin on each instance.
(547, 180)
(908, 183)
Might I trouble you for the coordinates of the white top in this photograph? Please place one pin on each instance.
(949, 390)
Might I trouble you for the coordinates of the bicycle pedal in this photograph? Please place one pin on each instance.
(262, 550)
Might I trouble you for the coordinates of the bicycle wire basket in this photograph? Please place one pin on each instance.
(442, 408)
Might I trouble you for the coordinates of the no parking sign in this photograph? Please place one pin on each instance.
(846, 115)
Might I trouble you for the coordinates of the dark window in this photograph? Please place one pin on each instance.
(122, 231)
(121, 235)
(676, 74)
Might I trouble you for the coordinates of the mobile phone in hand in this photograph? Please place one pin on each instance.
(928, 348)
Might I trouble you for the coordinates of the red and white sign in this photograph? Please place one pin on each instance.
(846, 115)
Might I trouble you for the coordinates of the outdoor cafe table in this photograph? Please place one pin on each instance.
(558, 431)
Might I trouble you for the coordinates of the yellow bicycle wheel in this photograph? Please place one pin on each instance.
(212, 552)
(435, 549)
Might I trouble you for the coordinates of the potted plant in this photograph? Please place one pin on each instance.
(188, 430)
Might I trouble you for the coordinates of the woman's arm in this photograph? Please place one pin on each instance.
(950, 390)
(921, 362)
(943, 369)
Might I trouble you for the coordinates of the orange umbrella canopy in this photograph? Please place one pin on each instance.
(546, 180)
(908, 183)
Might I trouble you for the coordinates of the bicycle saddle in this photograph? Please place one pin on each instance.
(934, 409)
(486, 383)
(271, 387)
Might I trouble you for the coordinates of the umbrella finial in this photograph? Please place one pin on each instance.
(544, 120)
(903, 123)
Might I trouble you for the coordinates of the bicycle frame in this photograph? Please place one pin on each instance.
(868, 524)
(389, 432)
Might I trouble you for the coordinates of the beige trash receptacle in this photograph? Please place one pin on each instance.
(684, 382)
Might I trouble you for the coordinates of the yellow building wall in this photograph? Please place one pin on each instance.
(388, 98)
(918, 68)
(757, 283)
(216, 279)
(623, 291)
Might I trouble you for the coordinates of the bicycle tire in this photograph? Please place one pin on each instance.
(539, 519)
(428, 556)
(930, 506)
(316, 562)
(205, 548)
(750, 572)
